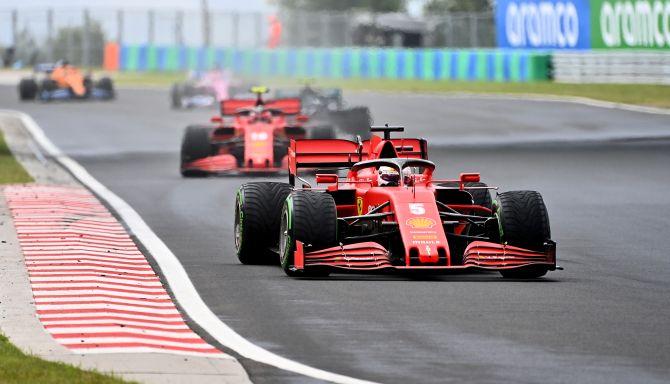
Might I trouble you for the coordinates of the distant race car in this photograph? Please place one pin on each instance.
(62, 81)
(326, 107)
(250, 136)
(389, 214)
(205, 90)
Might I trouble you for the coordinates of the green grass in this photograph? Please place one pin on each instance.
(17, 367)
(649, 95)
(10, 169)
(164, 79)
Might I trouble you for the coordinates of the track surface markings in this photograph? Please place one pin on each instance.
(94, 290)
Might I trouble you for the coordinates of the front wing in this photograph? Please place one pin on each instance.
(225, 164)
(372, 257)
(66, 94)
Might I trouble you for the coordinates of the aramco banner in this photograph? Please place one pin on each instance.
(543, 24)
(583, 24)
(630, 24)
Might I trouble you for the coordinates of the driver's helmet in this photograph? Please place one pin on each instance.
(387, 177)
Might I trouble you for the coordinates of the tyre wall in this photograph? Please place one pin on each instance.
(343, 63)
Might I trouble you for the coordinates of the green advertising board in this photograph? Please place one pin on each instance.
(630, 24)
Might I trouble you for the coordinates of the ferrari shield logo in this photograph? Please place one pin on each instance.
(359, 205)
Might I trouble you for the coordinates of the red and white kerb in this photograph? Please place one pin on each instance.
(94, 290)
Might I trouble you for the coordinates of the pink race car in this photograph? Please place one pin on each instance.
(205, 89)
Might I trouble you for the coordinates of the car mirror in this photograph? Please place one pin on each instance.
(326, 178)
(469, 177)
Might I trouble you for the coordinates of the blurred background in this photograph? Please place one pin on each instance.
(597, 41)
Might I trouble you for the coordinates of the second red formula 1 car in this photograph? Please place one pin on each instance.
(389, 214)
(251, 136)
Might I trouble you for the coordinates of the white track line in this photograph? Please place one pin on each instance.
(182, 287)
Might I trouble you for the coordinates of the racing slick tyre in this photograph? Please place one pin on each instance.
(523, 222)
(479, 196)
(195, 145)
(322, 132)
(47, 86)
(258, 208)
(106, 85)
(309, 217)
(27, 89)
(175, 96)
(354, 121)
(88, 86)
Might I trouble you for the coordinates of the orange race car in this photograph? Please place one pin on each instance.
(62, 81)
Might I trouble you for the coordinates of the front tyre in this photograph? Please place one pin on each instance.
(258, 209)
(27, 89)
(309, 217)
(195, 144)
(523, 222)
(107, 86)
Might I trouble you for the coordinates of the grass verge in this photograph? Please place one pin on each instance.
(10, 169)
(639, 94)
(17, 367)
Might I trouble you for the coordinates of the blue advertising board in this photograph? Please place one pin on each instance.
(543, 24)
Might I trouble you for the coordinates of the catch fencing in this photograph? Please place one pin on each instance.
(79, 34)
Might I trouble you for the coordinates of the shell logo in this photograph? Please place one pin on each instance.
(420, 222)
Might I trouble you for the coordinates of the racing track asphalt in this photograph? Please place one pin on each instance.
(602, 320)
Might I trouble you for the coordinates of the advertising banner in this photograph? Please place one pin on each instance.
(630, 24)
(543, 24)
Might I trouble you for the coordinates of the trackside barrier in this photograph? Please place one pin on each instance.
(343, 63)
(643, 67)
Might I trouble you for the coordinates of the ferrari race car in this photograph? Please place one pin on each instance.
(388, 214)
(63, 81)
(251, 136)
(326, 107)
(205, 90)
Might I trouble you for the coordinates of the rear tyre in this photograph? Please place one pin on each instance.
(309, 217)
(524, 223)
(195, 145)
(46, 88)
(258, 208)
(479, 196)
(175, 96)
(352, 121)
(322, 132)
(27, 89)
(88, 86)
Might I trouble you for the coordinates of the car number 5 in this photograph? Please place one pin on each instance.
(417, 208)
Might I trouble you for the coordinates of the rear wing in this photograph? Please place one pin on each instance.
(336, 153)
(44, 67)
(288, 106)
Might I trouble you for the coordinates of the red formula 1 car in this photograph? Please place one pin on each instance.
(251, 136)
(389, 214)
